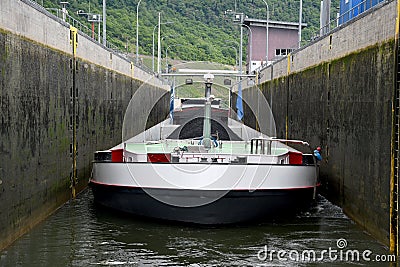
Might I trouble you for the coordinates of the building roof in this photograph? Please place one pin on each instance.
(273, 24)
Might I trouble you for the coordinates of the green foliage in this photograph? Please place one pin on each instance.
(200, 26)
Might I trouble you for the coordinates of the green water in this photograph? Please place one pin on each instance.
(83, 234)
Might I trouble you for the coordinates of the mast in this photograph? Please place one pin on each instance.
(207, 111)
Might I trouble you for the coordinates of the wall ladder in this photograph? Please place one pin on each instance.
(394, 183)
(73, 112)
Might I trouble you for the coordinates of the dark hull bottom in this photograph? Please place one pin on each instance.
(234, 207)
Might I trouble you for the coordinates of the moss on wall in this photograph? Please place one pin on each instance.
(344, 106)
(36, 131)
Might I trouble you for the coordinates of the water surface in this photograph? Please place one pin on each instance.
(83, 234)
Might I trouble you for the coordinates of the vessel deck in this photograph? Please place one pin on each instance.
(168, 146)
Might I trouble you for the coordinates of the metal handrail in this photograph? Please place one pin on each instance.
(75, 23)
(70, 20)
(346, 17)
(87, 31)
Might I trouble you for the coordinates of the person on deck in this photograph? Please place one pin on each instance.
(317, 154)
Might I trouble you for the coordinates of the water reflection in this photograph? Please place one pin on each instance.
(82, 234)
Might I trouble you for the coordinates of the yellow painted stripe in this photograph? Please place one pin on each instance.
(397, 19)
(73, 38)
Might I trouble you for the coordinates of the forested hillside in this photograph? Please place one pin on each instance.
(199, 28)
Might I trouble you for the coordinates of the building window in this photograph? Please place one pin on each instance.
(283, 52)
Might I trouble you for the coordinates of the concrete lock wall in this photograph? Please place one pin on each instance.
(337, 93)
(39, 84)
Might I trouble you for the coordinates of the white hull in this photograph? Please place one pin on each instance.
(205, 176)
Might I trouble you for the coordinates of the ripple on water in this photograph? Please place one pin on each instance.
(82, 234)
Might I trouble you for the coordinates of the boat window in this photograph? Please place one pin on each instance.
(260, 146)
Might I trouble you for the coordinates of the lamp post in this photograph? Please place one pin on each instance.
(266, 55)
(237, 78)
(159, 44)
(152, 58)
(166, 56)
(239, 18)
(237, 44)
(230, 88)
(239, 102)
(154, 29)
(208, 78)
(300, 19)
(137, 32)
(250, 46)
(64, 9)
(104, 24)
